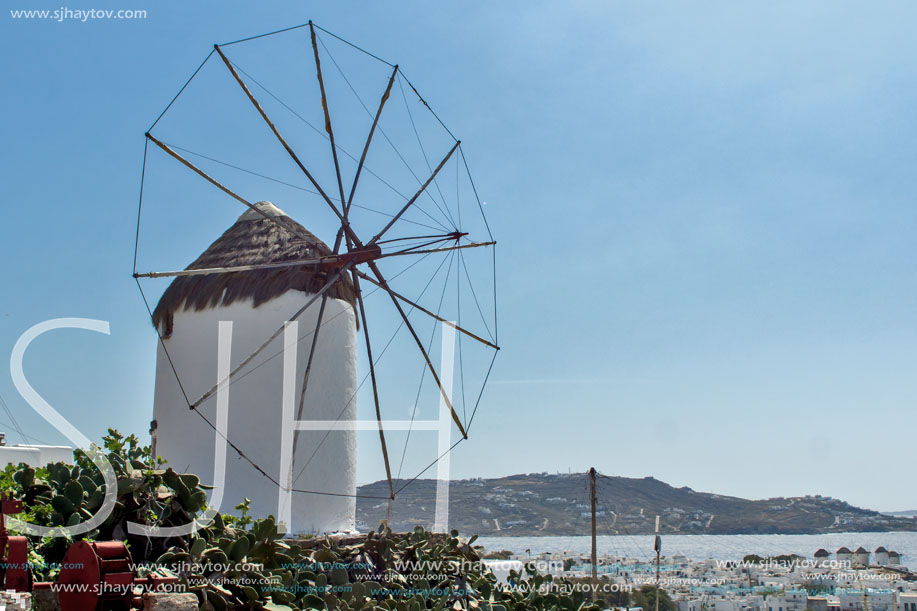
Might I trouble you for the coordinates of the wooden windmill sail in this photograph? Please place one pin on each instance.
(267, 271)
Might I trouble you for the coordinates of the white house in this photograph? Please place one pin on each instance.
(907, 601)
(13, 455)
(695, 604)
(775, 603)
(35, 455)
(791, 600)
(858, 599)
(257, 303)
(720, 603)
(817, 603)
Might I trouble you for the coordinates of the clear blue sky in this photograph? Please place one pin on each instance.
(705, 210)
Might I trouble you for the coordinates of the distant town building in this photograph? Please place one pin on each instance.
(749, 603)
(907, 601)
(696, 604)
(34, 455)
(791, 600)
(854, 599)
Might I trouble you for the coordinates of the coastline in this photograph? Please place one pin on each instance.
(707, 546)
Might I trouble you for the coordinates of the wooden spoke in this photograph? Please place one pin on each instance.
(287, 147)
(328, 128)
(411, 251)
(224, 189)
(423, 351)
(411, 201)
(428, 312)
(372, 373)
(369, 138)
(275, 335)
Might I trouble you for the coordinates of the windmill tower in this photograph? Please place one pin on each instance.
(416, 237)
(257, 302)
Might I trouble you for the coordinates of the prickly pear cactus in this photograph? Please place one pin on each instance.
(240, 563)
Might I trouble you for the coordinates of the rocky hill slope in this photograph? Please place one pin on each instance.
(545, 504)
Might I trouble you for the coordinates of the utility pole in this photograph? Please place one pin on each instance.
(657, 544)
(595, 563)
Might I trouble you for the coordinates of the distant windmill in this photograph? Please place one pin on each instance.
(268, 287)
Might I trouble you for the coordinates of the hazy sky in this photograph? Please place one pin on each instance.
(705, 213)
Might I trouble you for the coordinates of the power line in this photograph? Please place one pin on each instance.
(12, 418)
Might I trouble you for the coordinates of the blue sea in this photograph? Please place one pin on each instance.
(717, 547)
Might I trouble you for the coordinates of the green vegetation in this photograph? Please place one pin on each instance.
(646, 597)
(237, 562)
(503, 554)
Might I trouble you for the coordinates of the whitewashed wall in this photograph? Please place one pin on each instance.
(51, 454)
(255, 407)
(13, 455)
(35, 455)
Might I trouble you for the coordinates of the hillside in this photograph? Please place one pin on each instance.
(543, 504)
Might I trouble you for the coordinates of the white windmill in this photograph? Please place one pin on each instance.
(270, 320)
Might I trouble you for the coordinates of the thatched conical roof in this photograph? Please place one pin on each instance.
(251, 240)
